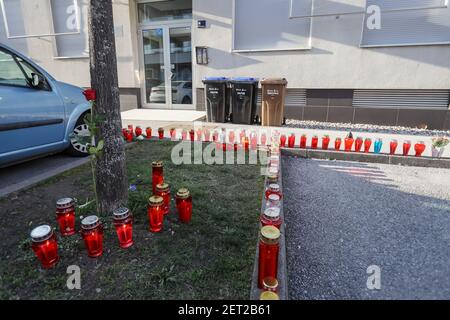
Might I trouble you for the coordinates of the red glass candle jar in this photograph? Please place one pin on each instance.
(348, 143)
(130, 128)
(314, 142)
(367, 144)
(283, 140)
(358, 144)
(65, 215)
(199, 134)
(155, 213)
(215, 136)
(157, 174)
(163, 190)
(161, 133)
(268, 253)
(337, 144)
(303, 141)
(173, 133)
(44, 245)
(231, 137)
(207, 135)
(138, 131)
(325, 142)
(393, 146)
(270, 284)
(184, 205)
(148, 132)
(242, 135)
(253, 140)
(273, 188)
(124, 133)
(271, 217)
(246, 143)
(129, 136)
(192, 135)
(406, 147)
(419, 148)
(291, 141)
(123, 222)
(263, 139)
(92, 233)
(184, 135)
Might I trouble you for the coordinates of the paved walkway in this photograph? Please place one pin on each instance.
(342, 217)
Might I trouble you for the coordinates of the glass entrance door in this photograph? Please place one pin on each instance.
(167, 67)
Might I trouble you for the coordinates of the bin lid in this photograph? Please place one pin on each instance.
(244, 79)
(274, 81)
(215, 79)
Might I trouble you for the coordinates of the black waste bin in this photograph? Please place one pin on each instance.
(244, 94)
(217, 99)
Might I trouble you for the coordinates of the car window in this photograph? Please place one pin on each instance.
(10, 73)
(29, 70)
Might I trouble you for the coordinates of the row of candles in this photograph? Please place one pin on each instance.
(270, 222)
(350, 144)
(44, 241)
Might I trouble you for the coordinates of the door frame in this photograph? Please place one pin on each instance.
(165, 25)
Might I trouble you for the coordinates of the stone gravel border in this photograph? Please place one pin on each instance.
(282, 262)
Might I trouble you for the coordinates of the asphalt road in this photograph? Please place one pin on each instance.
(22, 175)
(342, 217)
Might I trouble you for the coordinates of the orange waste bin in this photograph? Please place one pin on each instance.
(273, 97)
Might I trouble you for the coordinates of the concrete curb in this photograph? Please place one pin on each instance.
(282, 264)
(368, 157)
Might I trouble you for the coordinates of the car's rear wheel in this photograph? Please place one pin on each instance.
(77, 147)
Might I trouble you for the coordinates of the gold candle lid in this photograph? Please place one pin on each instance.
(270, 234)
(158, 163)
(269, 295)
(270, 283)
(155, 200)
(183, 193)
(162, 187)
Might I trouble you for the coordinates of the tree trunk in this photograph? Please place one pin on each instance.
(111, 181)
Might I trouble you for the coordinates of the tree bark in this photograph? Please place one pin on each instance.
(111, 181)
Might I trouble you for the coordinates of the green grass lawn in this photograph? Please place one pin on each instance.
(210, 258)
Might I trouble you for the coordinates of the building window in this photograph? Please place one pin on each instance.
(64, 14)
(408, 27)
(164, 10)
(264, 25)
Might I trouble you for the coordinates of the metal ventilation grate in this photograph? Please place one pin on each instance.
(426, 99)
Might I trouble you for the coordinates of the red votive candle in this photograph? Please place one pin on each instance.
(199, 134)
(283, 140)
(184, 205)
(125, 133)
(155, 213)
(253, 141)
(92, 233)
(163, 190)
(157, 174)
(303, 141)
(325, 142)
(348, 143)
(148, 132)
(130, 128)
(358, 144)
(207, 135)
(314, 142)
(173, 133)
(367, 144)
(246, 143)
(215, 136)
(271, 217)
(263, 139)
(268, 253)
(419, 148)
(231, 137)
(161, 133)
(270, 284)
(138, 131)
(393, 146)
(44, 245)
(273, 188)
(192, 135)
(129, 136)
(291, 141)
(273, 200)
(123, 222)
(184, 135)
(65, 215)
(406, 147)
(337, 144)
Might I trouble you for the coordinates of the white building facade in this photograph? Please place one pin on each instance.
(374, 61)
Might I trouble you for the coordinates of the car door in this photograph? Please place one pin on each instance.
(31, 115)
